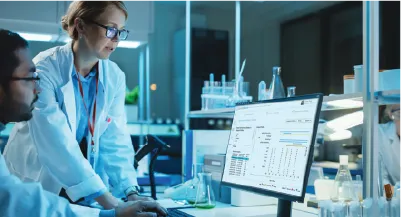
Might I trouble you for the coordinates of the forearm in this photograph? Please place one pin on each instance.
(107, 200)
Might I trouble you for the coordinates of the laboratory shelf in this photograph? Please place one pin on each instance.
(332, 102)
(212, 113)
(387, 97)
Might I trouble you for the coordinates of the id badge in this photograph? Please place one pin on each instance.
(92, 159)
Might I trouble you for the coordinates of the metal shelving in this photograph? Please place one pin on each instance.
(330, 103)
(387, 97)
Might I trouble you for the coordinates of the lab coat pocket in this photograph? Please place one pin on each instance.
(104, 124)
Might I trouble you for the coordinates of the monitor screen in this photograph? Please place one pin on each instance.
(270, 144)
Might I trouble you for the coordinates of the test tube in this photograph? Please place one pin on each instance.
(262, 90)
(395, 208)
(367, 205)
(241, 88)
(324, 208)
(223, 84)
(382, 206)
(211, 78)
(291, 91)
(355, 209)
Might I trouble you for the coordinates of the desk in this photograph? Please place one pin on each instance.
(226, 210)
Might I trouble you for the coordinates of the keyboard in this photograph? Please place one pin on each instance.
(175, 212)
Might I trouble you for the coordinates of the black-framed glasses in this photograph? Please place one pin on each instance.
(112, 32)
(35, 78)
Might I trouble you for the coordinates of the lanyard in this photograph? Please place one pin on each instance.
(91, 126)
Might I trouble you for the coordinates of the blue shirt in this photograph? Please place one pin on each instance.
(89, 90)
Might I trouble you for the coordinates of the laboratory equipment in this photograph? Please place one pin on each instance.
(276, 85)
(262, 91)
(343, 189)
(367, 204)
(355, 209)
(214, 164)
(256, 148)
(204, 193)
(349, 82)
(153, 143)
(324, 208)
(291, 91)
(358, 187)
(216, 94)
(339, 209)
(193, 184)
(395, 207)
(358, 85)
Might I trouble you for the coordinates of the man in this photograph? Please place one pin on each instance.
(19, 88)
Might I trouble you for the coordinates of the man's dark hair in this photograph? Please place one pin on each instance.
(9, 43)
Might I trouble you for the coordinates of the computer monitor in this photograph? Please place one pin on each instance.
(270, 148)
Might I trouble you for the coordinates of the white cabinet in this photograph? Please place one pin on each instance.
(33, 17)
(41, 11)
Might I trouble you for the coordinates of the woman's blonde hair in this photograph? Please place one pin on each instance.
(87, 10)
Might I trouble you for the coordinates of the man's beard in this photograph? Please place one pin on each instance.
(13, 111)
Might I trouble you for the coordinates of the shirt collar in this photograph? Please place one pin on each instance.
(92, 73)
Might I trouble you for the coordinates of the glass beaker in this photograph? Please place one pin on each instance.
(204, 193)
(192, 188)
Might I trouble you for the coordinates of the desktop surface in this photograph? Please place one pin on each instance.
(269, 148)
(227, 210)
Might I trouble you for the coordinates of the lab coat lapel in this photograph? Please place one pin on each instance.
(100, 99)
(68, 89)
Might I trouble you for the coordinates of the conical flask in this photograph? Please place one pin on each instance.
(192, 188)
(204, 194)
(343, 189)
(276, 86)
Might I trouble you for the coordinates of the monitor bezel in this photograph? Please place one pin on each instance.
(278, 195)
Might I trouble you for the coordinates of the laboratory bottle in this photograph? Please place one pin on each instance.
(276, 85)
(343, 189)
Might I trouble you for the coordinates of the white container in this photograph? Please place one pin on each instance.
(132, 113)
(358, 81)
(349, 82)
(389, 80)
(244, 198)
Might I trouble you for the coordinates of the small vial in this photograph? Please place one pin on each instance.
(291, 91)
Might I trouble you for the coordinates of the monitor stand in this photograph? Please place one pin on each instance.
(284, 208)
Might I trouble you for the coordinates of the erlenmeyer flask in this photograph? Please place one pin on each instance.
(192, 188)
(276, 85)
(204, 194)
(343, 189)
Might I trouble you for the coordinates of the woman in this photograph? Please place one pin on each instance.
(81, 106)
(389, 146)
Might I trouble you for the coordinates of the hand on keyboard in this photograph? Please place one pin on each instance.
(140, 209)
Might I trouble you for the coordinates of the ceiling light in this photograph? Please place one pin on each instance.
(344, 122)
(35, 37)
(129, 44)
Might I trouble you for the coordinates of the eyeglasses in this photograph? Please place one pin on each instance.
(395, 114)
(112, 32)
(35, 78)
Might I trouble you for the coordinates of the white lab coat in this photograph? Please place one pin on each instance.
(45, 150)
(29, 199)
(389, 152)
